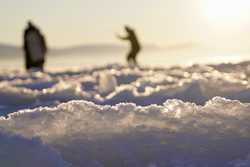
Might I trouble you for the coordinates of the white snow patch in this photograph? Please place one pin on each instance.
(114, 84)
(174, 134)
(17, 151)
(143, 117)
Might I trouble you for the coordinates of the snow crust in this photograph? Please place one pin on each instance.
(114, 84)
(116, 116)
(173, 134)
(17, 151)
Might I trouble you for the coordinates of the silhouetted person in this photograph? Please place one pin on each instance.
(34, 47)
(134, 43)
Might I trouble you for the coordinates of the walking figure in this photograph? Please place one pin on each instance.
(134, 44)
(34, 47)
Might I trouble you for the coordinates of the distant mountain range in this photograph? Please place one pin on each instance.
(11, 50)
(96, 48)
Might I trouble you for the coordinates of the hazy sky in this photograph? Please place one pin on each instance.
(216, 23)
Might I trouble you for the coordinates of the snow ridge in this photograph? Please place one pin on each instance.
(114, 116)
(114, 84)
(173, 134)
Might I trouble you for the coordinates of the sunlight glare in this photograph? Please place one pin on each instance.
(227, 10)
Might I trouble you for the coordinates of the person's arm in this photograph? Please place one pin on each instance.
(122, 38)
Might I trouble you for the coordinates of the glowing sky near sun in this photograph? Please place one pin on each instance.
(222, 23)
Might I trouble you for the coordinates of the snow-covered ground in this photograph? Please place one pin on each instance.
(116, 116)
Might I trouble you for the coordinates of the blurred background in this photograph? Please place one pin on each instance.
(81, 33)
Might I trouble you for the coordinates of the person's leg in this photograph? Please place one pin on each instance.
(27, 62)
(134, 56)
(129, 58)
(135, 61)
(27, 67)
(39, 65)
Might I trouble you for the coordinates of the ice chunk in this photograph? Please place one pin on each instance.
(107, 83)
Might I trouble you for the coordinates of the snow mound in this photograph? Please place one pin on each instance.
(107, 83)
(114, 84)
(114, 116)
(173, 134)
(18, 151)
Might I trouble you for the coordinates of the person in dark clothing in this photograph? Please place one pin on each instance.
(134, 43)
(34, 47)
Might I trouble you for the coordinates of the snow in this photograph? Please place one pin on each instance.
(172, 134)
(196, 116)
(21, 152)
(114, 84)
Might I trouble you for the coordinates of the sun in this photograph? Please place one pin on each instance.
(226, 10)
